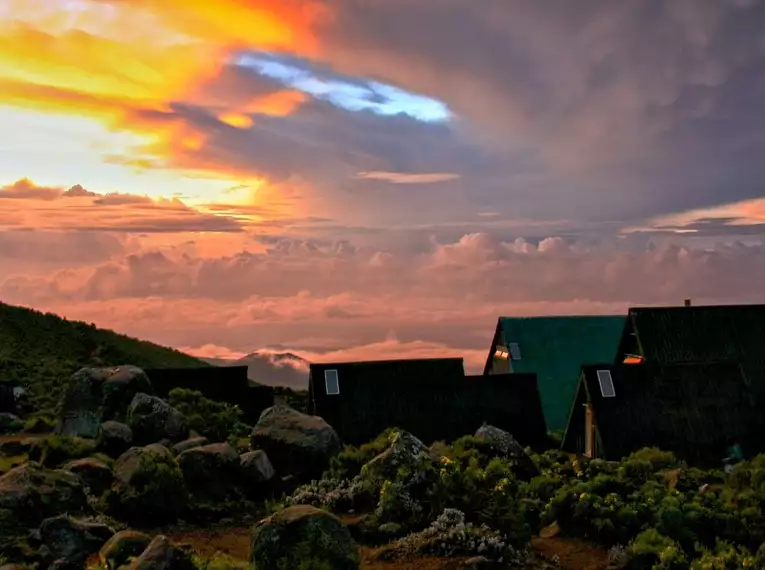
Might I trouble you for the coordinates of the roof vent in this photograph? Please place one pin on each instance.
(687, 302)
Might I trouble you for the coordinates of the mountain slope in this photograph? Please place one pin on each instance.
(282, 369)
(41, 350)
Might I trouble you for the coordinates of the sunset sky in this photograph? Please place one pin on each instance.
(376, 178)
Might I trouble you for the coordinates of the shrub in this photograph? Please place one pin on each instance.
(449, 535)
(39, 424)
(651, 549)
(348, 463)
(214, 420)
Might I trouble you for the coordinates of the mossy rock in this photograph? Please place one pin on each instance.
(149, 488)
(303, 537)
(121, 547)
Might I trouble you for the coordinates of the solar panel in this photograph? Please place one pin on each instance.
(331, 382)
(515, 350)
(606, 384)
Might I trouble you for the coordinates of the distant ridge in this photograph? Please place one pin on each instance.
(283, 369)
(41, 350)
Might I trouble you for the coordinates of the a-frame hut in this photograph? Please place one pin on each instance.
(554, 349)
(692, 409)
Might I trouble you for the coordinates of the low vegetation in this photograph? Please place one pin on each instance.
(40, 351)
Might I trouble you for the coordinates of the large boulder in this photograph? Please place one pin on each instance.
(95, 395)
(114, 438)
(152, 420)
(190, 443)
(507, 446)
(31, 493)
(149, 486)
(94, 473)
(405, 450)
(121, 547)
(81, 403)
(256, 473)
(210, 471)
(161, 554)
(295, 443)
(303, 537)
(10, 423)
(119, 389)
(71, 541)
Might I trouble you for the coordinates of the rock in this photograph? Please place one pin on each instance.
(390, 529)
(550, 531)
(73, 541)
(96, 395)
(94, 473)
(257, 475)
(9, 423)
(405, 450)
(114, 438)
(13, 448)
(162, 555)
(190, 443)
(508, 447)
(152, 419)
(256, 467)
(32, 493)
(149, 486)
(119, 389)
(123, 546)
(81, 403)
(296, 535)
(210, 471)
(295, 443)
(478, 562)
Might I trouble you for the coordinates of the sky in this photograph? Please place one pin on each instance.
(365, 179)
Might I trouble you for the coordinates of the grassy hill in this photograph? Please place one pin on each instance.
(41, 350)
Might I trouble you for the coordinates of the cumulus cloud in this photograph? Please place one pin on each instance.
(329, 300)
(82, 210)
(338, 189)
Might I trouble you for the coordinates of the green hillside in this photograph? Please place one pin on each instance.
(41, 350)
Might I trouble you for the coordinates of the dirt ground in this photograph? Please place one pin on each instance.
(573, 554)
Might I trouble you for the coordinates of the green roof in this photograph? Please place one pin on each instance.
(555, 349)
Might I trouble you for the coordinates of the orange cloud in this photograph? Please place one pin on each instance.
(122, 63)
(24, 205)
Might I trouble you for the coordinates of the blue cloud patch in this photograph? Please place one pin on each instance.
(349, 93)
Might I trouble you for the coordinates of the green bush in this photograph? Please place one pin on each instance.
(348, 463)
(651, 549)
(214, 420)
(39, 424)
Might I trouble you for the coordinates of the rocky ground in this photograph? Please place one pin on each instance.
(125, 482)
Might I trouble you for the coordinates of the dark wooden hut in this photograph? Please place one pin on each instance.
(221, 383)
(683, 334)
(691, 409)
(431, 398)
(7, 398)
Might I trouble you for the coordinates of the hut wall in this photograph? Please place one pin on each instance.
(7, 399)
(432, 406)
(224, 384)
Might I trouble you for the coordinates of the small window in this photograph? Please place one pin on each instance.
(331, 382)
(502, 353)
(515, 350)
(606, 384)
